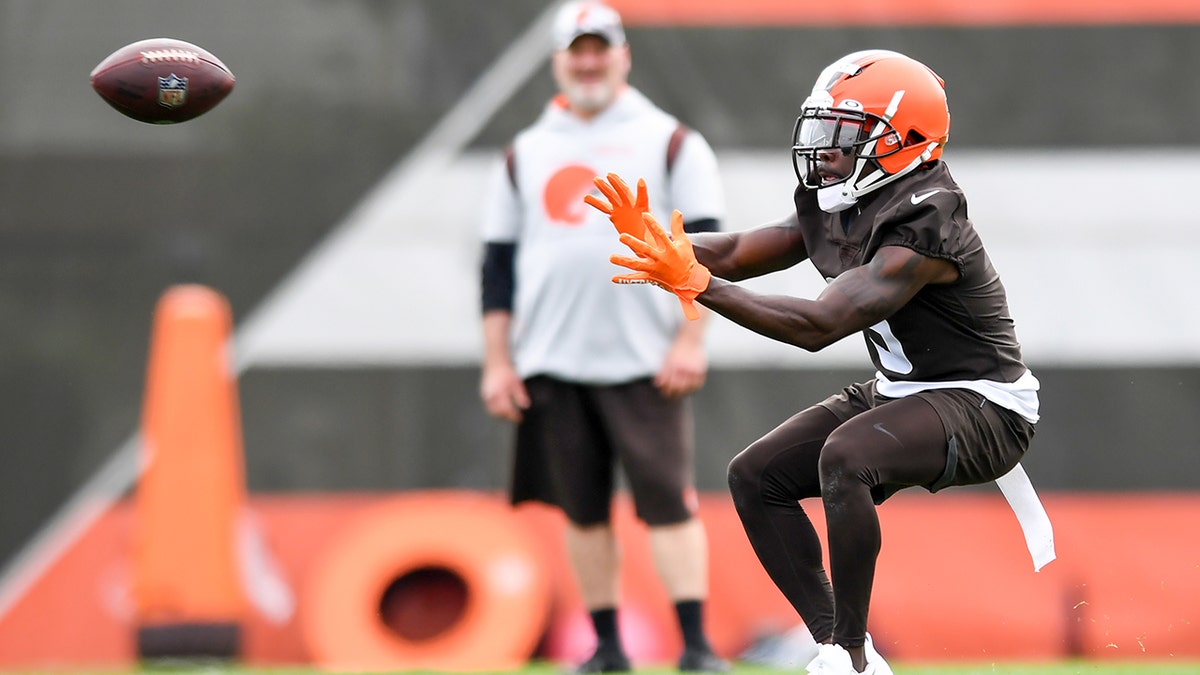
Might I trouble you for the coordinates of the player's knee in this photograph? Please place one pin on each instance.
(841, 461)
(741, 474)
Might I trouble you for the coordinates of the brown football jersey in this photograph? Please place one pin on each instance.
(948, 332)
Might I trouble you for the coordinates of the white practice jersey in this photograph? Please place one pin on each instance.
(570, 320)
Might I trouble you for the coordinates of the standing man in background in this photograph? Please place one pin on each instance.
(594, 375)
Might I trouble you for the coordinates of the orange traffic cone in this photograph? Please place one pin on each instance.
(191, 492)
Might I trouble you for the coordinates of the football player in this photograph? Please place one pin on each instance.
(879, 215)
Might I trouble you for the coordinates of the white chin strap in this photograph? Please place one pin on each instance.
(842, 196)
(834, 198)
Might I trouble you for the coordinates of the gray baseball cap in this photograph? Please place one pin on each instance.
(586, 17)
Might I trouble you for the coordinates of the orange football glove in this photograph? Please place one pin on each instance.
(668, 262)
(622, 208)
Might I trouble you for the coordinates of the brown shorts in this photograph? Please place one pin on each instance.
(572, 437)
(983, 440)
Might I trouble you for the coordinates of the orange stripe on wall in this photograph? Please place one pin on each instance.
(905, 12)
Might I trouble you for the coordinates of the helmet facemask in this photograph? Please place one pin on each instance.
(858, 135)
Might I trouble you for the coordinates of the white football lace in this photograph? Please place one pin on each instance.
(180, 55)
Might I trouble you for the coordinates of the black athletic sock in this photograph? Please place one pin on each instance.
(691, 623)
(604, 620)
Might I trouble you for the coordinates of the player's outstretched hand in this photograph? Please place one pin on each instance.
(622, 208)
(666, 261)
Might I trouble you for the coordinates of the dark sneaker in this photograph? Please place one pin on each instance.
(604, 661)
(702, 661)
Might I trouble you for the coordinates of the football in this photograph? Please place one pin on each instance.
(162, 81)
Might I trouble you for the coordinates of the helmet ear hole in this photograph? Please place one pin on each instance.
(913, 138)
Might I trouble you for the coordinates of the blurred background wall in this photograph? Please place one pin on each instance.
(1077, 141)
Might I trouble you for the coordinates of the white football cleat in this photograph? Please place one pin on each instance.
(831, 660)
(875, 663)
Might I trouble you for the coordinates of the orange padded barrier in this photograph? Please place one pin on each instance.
(1131, 580)
(79, 613)
(192, 490)
(427, 581)
(955, 583)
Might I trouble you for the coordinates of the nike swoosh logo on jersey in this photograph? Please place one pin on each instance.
(917, 199)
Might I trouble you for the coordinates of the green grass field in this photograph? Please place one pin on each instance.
(1064, 668)
(1073, 668)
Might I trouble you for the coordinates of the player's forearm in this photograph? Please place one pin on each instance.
(716, 251)
(751, 253)
(788, 319)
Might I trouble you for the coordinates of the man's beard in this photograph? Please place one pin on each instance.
(590, 97)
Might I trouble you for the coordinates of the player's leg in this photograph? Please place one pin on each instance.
(654, 439)
(933, 439)
(766, 480)
(900, 443)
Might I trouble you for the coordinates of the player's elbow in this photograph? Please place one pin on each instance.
(813, 345)
(814, 338)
